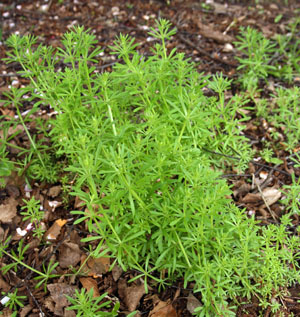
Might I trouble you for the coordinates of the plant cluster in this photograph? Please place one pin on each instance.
(139, 142)
(262, 57)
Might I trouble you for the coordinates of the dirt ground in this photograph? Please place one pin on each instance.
(205, 33)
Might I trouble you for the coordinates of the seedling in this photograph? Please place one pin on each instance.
(32, 211)
(86, 305)
(13, 301)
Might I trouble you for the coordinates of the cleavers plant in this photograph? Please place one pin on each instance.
(139, 142)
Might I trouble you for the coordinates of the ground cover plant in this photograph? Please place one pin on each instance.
(146, 148)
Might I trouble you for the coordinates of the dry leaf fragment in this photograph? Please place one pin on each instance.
(69, 255)
(117, 271)
(131, 295)
(209, 32)
(89, 283)
(26, 310)
(271, 195)
(54, 191)
(8, 210)
(58, 292)
(53, 232)
(54, 204)
(192, 303)
(98, 266)
(163, 309)
(252, 198)
(3, 285)
(220, 8)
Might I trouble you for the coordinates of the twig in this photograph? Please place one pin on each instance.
(263, 197)
(34, 299)
(203, 52)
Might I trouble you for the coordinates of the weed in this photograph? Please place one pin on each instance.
(31, 211)
(13, 301)
(292, 192)
(285, 115)
(85, 304)
(18, 258)
(139, 143)
(263, 57)
(255, 63)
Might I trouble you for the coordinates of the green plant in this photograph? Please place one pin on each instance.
(14, 301)
(35, 160)
(268, 155)
(18, 261)
(285, 115)
(86, 305)
(262, 57)
(6, 166)
(139, 144)
(255, 62)
(288, 52)
(291, 200)
(32, 211)
(49, 273)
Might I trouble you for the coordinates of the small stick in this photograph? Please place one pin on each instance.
(34, 299)
(263, 197)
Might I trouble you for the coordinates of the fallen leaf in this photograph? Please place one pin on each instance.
(69, 255)
(163, 309)
(117, 271)
(220, 8)
(130, 295)
(208, 32)
(89, 283)
(98, 266)
(54, 204)
(192, 303)
(26, 310)
(12, 130)
(58, 292)
(8, 210)
(3, 285)
(54, 191)
(252, 198)
(53, 232)
(271, 195)
(69, 313)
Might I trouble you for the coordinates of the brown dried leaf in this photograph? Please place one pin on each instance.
(116, 272)
(192, 303)
(12, 130)
(69, 255)
(25, 310)
(69, 313)
(8, 210)
(89, 283)
(98, 266)
(130, 295)
(54, 191)
(6, 312)
(252, 198)
(58, 292)
(53, 232)
(3, 285)
(209, 32)
(163, 309)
